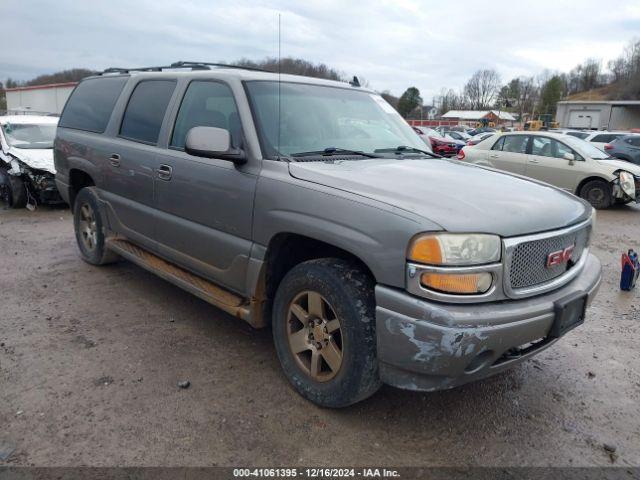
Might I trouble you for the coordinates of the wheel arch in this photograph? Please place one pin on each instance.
(587, 180)
(78, 179)
(286, 250)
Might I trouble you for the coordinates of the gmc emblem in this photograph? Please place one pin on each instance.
(560, 257)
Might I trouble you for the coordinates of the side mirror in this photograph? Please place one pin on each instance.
(213, 142)
(569, 156)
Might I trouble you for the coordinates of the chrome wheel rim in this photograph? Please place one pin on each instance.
(314, 334)
(87, 227)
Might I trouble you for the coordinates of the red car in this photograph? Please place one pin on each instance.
(443, 147)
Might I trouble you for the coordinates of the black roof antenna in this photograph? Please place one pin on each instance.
(279, 80)
(355, 82)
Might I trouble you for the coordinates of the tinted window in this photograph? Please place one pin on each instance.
(559, 150)
(578, 134)
(635, 141)
(515, 143)
(144, 114)
(90, 105)
(541, 146)
(207, 104)
(498, 145)
(604, 138)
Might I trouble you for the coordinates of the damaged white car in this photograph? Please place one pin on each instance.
(561, 160)
(27, 173)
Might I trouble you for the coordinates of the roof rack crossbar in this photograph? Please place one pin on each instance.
(180, 64)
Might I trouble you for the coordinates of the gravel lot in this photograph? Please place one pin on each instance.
(90, 359)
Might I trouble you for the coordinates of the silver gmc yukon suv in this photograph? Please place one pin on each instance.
(310, 206)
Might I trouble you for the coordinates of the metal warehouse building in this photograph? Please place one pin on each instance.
(608, 115)
(40, 98)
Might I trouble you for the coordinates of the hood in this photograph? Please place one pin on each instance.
(457, 196)
(40, 159)
(616, 165)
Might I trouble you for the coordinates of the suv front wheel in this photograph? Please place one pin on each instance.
(324, 331)
(89, 228)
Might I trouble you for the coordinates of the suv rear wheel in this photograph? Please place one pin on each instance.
(324, 332)
(89, 228)
(597, 193)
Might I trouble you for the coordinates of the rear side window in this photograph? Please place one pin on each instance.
(578, 134)
(604, 138)
(89, 107)
(144, 114)
(635, 141)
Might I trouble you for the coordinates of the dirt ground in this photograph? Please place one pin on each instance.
(90, 359)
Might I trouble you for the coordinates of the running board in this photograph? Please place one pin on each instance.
(198, 286)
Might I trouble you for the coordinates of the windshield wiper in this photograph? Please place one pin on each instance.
(328, 152)
(401, 149)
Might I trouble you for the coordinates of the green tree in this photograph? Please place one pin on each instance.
(550, 94)
(409, 101)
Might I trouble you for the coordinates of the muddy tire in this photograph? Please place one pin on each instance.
(597, 193)
(89, 225)
(324, 332)
(13, 191)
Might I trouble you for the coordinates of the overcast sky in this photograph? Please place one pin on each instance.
(393, 44)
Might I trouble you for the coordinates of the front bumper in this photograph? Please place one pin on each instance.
(424, 345)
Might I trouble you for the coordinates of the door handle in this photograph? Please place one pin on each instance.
(164, 172)
(494, 155)
(114, 160)
(533, 160)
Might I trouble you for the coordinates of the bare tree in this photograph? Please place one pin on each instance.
(482, 89)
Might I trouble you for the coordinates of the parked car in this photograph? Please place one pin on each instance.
(479, 130)
(444, 146)
(476, 139)
(599, 138)
(625, 148)
(26, 160)
(574, 133)
(440, 145)
(424, 137)
(321, 216)
(459, 136)
(567, 162)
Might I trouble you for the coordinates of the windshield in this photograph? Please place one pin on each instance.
(316, 117)
(32, 136)
(586, 148)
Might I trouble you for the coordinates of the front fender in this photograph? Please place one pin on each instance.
(376, 233)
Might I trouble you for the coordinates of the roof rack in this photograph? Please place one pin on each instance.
(180, 64)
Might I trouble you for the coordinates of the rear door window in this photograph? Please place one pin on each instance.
(91, 103)
(604, 138)
(635, 141)
(146, 109)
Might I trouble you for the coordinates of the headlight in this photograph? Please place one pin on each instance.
(627, 183)
(453, 249)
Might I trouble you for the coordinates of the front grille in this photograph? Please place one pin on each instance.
(528, 266)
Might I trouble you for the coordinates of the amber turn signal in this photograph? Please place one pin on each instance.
(466, 283)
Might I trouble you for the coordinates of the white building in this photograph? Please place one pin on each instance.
(596, 115)
(39, 98)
